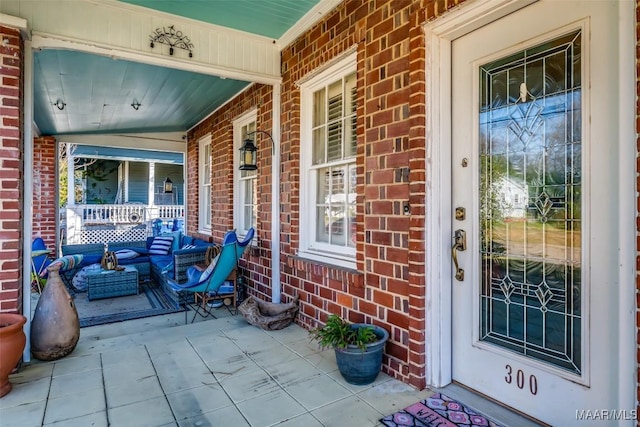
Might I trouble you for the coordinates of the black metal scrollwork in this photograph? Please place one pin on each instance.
(172, 37)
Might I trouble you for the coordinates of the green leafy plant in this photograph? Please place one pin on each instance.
(338, 333)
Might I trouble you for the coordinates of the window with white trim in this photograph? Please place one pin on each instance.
(204, 183)
(328, 165)
(245, 182)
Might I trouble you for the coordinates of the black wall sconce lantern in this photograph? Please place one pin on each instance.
(168, 185)
(249, 152)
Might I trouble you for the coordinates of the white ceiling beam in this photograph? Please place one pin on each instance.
(124, 31)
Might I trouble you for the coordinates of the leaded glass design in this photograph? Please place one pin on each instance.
(530, 202)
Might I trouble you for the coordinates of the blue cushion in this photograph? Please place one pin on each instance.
(161, 261)
(176, 239)
(187, 240)
(126, 254)
(136, 260)
(200, 242)
(161, 245)
(91, 259)
(205, 274)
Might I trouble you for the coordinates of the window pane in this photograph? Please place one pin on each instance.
(322, 225)
(334, 141)
(318, 146)
(248, 193)
(350, 94)
(324, 181)
(206, 206)
(350, 137)
(319, 106)
(248, 217)
(350, 115)
(337, 223)
(351, 205)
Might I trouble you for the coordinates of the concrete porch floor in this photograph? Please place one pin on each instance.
(158, 371)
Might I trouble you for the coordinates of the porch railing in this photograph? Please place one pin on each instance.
(83, 219)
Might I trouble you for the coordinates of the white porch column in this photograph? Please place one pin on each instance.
(71, 177)
(275, 198)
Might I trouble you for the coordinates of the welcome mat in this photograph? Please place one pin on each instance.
(439, 410)
(151, 301)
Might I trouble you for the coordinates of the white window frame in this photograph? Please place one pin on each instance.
(247, 119)
(204, 185)
(341, 256)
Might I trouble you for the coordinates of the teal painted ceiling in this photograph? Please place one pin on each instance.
(97, 91)
(269, 18)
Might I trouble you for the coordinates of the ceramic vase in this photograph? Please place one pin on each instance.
(12, 342)
(55, 329)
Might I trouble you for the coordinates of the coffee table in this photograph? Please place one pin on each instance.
(112, 283)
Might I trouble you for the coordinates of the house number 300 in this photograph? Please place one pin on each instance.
(520, 379)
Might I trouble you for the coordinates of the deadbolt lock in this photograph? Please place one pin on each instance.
(460, 213)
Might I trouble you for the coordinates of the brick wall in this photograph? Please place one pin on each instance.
(388, 288)
(255, 263)
(11, 169)
(45, 189)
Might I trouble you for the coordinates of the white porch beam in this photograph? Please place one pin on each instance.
(121, 30)
(172, 141)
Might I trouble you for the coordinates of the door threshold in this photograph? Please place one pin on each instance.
(496, 411)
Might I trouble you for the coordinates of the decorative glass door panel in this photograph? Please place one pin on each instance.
(530, 202)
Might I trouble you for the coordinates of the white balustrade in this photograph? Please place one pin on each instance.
(79, 217)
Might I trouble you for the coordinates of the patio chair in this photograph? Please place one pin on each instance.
(40, 260)
(207, 283)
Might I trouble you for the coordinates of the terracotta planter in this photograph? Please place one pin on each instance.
(12, 342)
(55, 329)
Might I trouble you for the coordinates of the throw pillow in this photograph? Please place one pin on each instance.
(206, 273)
(161, 245)
(176, 239)
(126, 254)
(188, 246)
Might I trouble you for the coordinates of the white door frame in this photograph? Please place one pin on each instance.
(439, 35)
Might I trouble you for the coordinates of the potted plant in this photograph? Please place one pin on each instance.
(358, 348)
(12, 342)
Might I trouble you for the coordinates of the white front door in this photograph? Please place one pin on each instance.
(534, 161)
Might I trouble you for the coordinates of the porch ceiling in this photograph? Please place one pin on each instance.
(98, 91)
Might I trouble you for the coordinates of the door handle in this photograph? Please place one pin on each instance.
(459, 244)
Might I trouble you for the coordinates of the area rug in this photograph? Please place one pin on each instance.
(439, 410)
(151, 301)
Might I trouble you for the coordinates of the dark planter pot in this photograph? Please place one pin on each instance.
(360, 367)
(12, 342)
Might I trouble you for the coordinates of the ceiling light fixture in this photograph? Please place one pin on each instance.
(60, 104)
(136, 105)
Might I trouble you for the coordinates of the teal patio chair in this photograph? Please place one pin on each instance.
(209, 281)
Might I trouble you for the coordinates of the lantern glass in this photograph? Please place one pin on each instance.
(168, 185)
(248, 156)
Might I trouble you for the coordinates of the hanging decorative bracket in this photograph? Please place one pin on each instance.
(172, 38)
